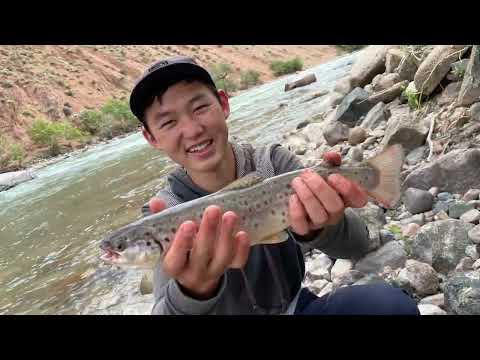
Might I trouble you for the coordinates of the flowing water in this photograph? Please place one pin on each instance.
(50, 227)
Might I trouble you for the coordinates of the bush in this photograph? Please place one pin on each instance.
(220, 74)
(11, 153)
(17, 153)
(286, 67)
(249, 78)
(119, 111)
(90, 121)
(47, 133)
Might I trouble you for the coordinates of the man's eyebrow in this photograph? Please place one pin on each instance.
(197, 97)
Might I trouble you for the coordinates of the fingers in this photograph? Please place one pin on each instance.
(314, 208)
(353, 195)
(156, 204)
(298, 217)
(333, 158)
(205, 243)
(242, 249)
(176, 258)
(225, 248)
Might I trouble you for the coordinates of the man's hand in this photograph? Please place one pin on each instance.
(318, 202)
(200, 254)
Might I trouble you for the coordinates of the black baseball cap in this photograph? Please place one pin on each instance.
(162, 74)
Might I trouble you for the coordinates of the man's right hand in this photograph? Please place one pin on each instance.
(200, 254)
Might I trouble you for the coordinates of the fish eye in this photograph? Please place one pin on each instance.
(149, 243)
(120, 246)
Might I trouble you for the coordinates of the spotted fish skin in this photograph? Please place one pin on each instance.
(260, 204)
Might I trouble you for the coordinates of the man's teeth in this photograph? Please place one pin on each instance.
(199, 147)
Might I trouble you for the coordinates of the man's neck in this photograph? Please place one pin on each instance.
(221, 177)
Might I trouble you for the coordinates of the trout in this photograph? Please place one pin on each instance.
(261, 205)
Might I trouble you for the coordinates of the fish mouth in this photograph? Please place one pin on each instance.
(110, 256)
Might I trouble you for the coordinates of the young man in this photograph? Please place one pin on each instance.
(210, 268)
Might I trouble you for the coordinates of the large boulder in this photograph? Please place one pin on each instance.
(378, 114)
(353, 107)
(305, 80)
(11, 179)
(374, 217)
(405, 129)
(456, 172)
(370, 62)
(391, 254)
(385, 81)
(393, 60)
(470, 90)
(389, 94)
(407, 68)
(435, 66)
(450, 93)
(418, 277)
(441, 244)
(462, 293)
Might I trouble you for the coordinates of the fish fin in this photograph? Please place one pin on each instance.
(388, 165)
(146, 284)
(273, 239)
(244, 182)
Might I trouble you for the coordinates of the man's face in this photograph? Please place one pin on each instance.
(189, 125)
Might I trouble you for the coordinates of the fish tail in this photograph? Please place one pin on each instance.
(388, 165)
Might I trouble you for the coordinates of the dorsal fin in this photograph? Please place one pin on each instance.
(247, 181)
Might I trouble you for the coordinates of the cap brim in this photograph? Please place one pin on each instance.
(162, 79)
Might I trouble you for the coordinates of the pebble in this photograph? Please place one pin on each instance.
(476, 265)
(416, 219)
(474, 234)
(442, 215)
(357, 136)
(471, 251)
(437, 300)
(434, 190)
(471, 216)
(444, 196)
(429, 309)
(457, 209)
(471, 194)
(410, 229)
(418, 200)
(465, 264)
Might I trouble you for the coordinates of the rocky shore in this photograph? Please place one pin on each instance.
(428, 100)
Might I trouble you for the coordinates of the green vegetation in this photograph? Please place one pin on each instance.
(350, 48)
(286, 67)
(47, 133)
(220, 74)
(249, 78)
(11, 154)
(413, 98)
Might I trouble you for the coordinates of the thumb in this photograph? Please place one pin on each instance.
(156, 204)
(332, 158)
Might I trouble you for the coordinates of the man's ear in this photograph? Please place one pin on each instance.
(224, 103)
(149, 137)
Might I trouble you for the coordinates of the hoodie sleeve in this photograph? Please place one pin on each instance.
(347, 239)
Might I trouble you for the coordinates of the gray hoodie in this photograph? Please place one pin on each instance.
(272, 276)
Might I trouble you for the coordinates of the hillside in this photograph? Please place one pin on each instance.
(56, 82)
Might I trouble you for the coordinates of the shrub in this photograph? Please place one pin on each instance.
(90, 121)
(47, 133)
(17, 153)
(220, 74)
(249, 78)
(286, 67)
(119, 111)
(11, 153)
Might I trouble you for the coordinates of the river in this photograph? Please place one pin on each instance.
(50, 227)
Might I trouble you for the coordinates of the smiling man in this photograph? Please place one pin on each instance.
(210, 268)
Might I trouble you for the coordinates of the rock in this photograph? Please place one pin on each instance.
(370, 279)
(418, 200)
(471, 194)
(429, 309)
(305, 80)
(457, 171)
(340, 267)
(314, 132)
(385, 81)
(374, 217)
(442, 215)
(386, 236)
(389, 94)
(474, 234)
(418, 219)
(67, 111)
(459, 208)
(391, 254)
(327, 289)
(470, 90)
(457, 69)
(462, 293)
(403, 128)
(435, 66)
(315, 95)
(464, 264)
(441, 244)
(476, 265)
(297, 144)
(378, 114)
(318, 285)
(353, 107)
(475, 112)
(410, 229)
(471, 216)
(319, 267)
(347, 278)
(356, 136)
(434, 191)
(356, 153)
(343, 86)
(416, 155)
(302, 124)
(419, 277)
(450, 93)
(407, 68)
(335, 133)
(444, 196)
(14, 178)
(393, 59)
(437, 300)
(370, 62)
(471, 252)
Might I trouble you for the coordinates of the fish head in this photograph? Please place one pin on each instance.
(134, 246)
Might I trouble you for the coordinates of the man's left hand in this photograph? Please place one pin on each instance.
(318, 202)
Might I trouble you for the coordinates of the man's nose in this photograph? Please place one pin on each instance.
(192, 128)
